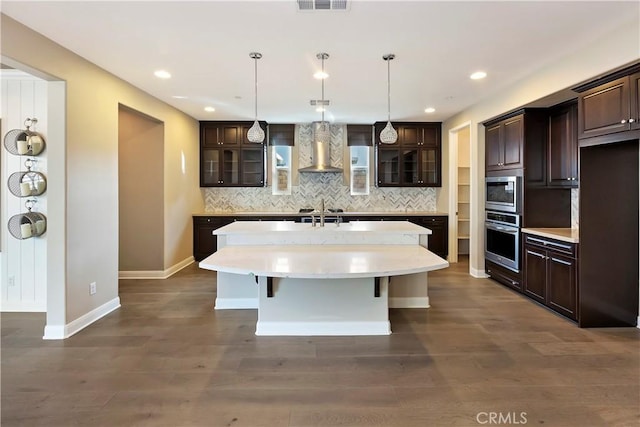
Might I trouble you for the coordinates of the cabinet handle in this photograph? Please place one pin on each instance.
(560, 261)
(623, 121)
(631, 120)
(536, 254)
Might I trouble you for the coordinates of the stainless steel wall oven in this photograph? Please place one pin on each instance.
(502, 239)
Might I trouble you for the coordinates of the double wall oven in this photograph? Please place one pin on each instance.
(502, 221)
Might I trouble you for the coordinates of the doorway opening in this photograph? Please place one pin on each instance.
(460, 199)
(140, 194)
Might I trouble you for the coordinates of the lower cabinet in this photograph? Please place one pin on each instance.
(504, 275)
(439, 226)
(550, 274)
(204, 241)
(439, 239)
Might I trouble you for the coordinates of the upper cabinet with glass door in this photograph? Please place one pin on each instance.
(414, 160)
(227, 158)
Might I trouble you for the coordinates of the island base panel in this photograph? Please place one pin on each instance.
(409, 291)
(311, 307)
(236, 291)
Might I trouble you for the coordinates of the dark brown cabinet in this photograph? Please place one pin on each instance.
(359, 135)
(550, 274)
(562, 155)
(415, 160)
(609, 108)
(439, 226)
(610, 104)
(281, 134)
(504, 142)
(204, 241)
(227, 158)
(439, 239)
(504, 275)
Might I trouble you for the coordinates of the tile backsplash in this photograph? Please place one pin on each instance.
(575, 206)
(312, 187)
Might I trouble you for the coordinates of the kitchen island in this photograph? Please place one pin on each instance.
(332, 280)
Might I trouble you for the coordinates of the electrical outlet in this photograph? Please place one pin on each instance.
(12, 281)
(92, 288)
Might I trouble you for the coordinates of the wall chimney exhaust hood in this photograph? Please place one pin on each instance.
(321, 150)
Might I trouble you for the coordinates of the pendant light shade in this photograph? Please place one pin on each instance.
(255, 133)
(388, 135)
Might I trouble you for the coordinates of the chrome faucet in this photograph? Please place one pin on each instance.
(322, 213)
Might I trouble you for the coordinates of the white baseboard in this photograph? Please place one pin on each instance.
(23, 306)
(638, 323)
(409, 302)
(323, 328)
(156, 274)
(236, 303)
(478, 274)
(59, 332)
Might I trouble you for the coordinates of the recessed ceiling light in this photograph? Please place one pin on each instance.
(162, 74)
(321, 75)
(429, 110)
(209, 109)
(478, 75)
(179, 97)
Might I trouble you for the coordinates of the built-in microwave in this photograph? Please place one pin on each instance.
(502, 193)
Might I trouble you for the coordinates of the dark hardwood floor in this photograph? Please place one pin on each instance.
(167, 359)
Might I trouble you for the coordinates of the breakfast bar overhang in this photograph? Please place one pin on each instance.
(333, 280)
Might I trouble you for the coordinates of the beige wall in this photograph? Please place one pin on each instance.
(90, 242)
(620, 47)
(140, 192)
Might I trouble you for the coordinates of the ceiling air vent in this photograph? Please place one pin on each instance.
(308, 5)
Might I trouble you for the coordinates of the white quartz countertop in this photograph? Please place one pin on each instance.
(324, 261)
(569, 235)
(262, 227)
(347, 214)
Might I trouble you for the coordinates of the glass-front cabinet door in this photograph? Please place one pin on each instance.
(388, 167)
(410, 173)
(230, 166)
(252, 167)
(429, 166)
(210, 168)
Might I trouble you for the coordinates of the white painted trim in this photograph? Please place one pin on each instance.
(409, 302)
(478, 274)
(323, 328)
(236, 303)
(57, 332)
(23, 306)
(638, 323)
(157, 274)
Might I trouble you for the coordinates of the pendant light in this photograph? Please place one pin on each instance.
(255, 133)
(323, 132)
(388, 134)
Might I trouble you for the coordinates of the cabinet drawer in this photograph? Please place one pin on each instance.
(566, 248)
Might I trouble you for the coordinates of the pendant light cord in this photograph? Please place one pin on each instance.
(322, 106)
(389, 89)
(255, 74)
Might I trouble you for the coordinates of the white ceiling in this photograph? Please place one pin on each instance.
(205, 45)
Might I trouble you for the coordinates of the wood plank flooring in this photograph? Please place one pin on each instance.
(166, 358)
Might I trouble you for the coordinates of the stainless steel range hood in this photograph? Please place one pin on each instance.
(321, 150)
